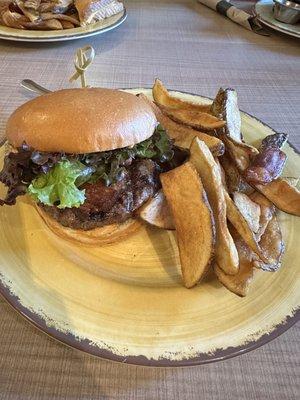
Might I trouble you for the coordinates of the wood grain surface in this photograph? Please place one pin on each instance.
(190, 48)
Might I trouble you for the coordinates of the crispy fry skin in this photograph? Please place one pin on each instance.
(240, 217)
(249, 209)
(193, 221)
(266, 214)
(267, 210)
(232, 175)
(208, 169)
(251, 177)
(261, 200)
(184, 135)
(234, 180)
(269, 234)
(225, 106)
(240, 153)
(242, 227)
(162, 97)
(272, 245)
(157, 212)
(282, 195)
(240, 282)
(194, 119)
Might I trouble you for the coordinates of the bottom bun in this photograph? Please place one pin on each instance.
(99, 236)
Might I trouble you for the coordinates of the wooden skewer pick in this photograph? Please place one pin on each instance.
(83, 59)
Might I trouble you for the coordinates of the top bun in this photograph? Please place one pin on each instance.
(81, 121)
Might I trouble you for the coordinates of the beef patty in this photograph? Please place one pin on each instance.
(105, 205)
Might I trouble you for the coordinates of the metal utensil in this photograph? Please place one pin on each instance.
(286, 11)
(34, 87)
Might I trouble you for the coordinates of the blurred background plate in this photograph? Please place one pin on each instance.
(264, 10)
(125, 302)
(23, 35)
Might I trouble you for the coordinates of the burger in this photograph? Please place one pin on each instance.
(88, 159)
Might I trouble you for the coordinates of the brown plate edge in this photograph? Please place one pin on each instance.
(86, 347)
(202, 358)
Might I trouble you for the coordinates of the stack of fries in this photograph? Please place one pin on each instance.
(222, 201)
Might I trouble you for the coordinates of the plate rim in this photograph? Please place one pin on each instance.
(61, 38)
(272, 25)
(86, 347)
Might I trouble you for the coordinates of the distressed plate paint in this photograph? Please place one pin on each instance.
(125, 302)
(22, 35)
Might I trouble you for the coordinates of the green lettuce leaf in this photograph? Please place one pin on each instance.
(60, 185)
(159, 146)
(163, 144)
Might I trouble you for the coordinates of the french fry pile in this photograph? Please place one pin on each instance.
(222, 201)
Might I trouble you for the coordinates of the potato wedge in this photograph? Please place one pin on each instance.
(193, 221)
(234, 180)
(260, 199)
(249, 210)
(157, 212)
(194, 119)
(272, 245)
(163, 98)
(232, 175)
(291, 180)
(183, 135)
(266, 214)
(282, 195)
(265, 166)
(242, 227)
(277, 140)
(222, 173)
(240, 153)
(269, 234)
(226, 252)
(240, 282)
(225, 106)
(188, 134)
(267, 210)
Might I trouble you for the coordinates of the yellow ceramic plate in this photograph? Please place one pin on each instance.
(23, 35)
(125, 301)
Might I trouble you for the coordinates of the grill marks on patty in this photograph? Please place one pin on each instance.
(110, 204)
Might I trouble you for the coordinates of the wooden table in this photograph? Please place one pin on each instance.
(193, 49)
